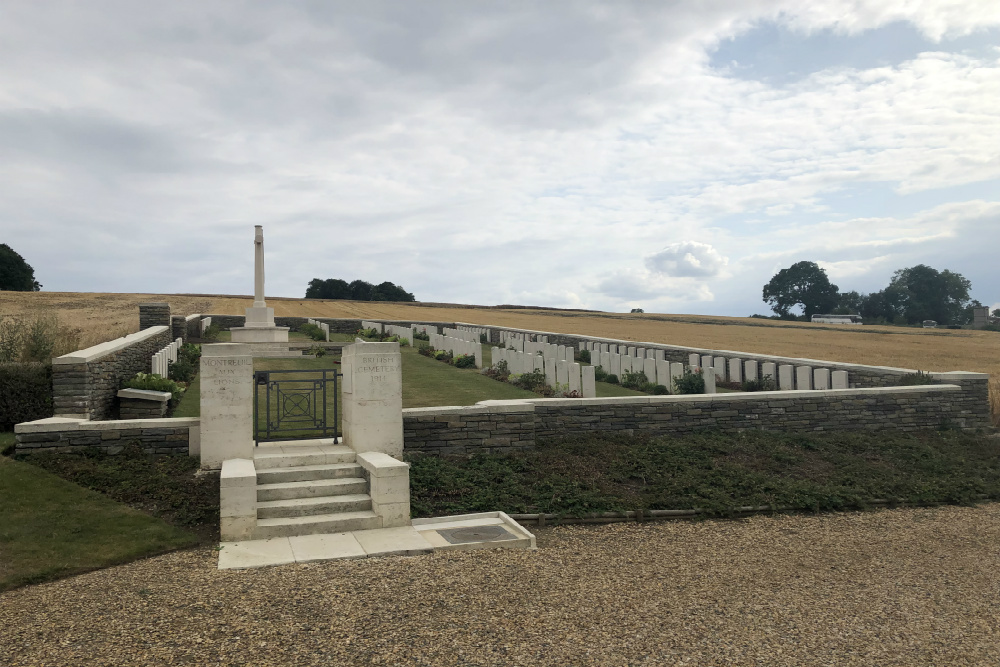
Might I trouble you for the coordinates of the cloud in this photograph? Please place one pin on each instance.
(688, 259)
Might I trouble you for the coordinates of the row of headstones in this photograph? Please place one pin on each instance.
(322, 325)
(377, 326)
(461, 334)
(564, 372)
(160, 362)
(625, 350)
(458, 346)
(470, 333)
(206, 322)
(522, 342)
(402, 332)
(786, 376)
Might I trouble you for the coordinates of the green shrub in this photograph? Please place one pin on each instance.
(611, 378)
(312, 331)
(420, 335)
(766, 383)
(600, 375)
(690, 383)
(426, 350)
(465, 361)
(634, 380)
(211, 332)
(25, 393)
(585, 356)
(182, 370)
(370, 332)
(498, 371)
(533, 381)
(483, 339)
(659, 389)
(317, 351)
(404, 342)
(154, 383)
(918, 378)
(190, 352)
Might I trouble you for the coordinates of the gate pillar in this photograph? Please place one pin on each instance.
(372, 396)
(226, 403)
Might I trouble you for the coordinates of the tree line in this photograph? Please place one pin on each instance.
(16, 275)
(358, 290)
(913, 295)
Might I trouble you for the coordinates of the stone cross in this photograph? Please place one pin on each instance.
(258, 267)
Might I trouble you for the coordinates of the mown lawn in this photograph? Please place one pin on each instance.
(51, 527)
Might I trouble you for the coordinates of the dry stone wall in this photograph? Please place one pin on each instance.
(155, 436)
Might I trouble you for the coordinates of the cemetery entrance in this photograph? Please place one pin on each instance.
(296, 404)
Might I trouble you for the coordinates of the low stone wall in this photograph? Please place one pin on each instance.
(457, 430)
(155, 436)
(85, 383)
(498, 426)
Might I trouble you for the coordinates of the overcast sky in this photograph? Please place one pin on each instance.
(665, 155)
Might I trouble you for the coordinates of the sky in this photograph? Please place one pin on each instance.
(670, 156)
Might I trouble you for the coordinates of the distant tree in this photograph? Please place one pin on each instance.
(849, 303)
(929, 294)
(637, 310)
(362, 291)
(802, 284)
(996, 312)
(16, 275)
(388, 292)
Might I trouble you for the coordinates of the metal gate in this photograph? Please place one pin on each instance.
(295, 405)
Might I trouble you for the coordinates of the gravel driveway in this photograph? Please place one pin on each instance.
(900, 587)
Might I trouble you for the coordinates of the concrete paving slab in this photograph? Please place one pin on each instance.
(401, 541)
(308, 548)
(255, 553)
(467, 523)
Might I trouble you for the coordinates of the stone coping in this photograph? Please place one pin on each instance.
(145, 394)
(68, 424)
(528, 404)
(104, 349)
(191, 317)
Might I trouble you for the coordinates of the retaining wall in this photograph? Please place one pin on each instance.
(500, 426)
(155, 436)
(85, 383)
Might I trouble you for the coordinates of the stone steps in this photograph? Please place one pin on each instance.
(311, 488)
(268, 457)
(317, 505)
(340, 522)
(308, 473)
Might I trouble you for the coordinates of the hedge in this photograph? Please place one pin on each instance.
(25, 393)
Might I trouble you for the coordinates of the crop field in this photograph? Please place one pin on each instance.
(96, 317)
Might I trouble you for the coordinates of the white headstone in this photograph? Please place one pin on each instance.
(663, 374)
(786, 377)
(803, 378)
(736, 370)
(676, 371)
(551, 376)
(694, 360)
(750, 370)
(706, 361)
(589, 387)
(769, 369)
(838, 380)
(709, 374)
(649, 368)
(574, 376)
(720, 368)
(821, 378)
(616, 365)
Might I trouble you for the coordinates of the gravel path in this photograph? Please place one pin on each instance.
(901, 587)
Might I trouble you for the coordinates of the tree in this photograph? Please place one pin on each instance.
(359, 290)
(388, 292)
(849, 303)
(362, 291)
(802, 284)
(16, 274)
(929, 294)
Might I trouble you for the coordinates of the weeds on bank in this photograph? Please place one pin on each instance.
(712, 471)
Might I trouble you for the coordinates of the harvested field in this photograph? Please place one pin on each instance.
(99, 317)
(905, 587)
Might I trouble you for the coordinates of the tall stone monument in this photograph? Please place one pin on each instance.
(259, 331)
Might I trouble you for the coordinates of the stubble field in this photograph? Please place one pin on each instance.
(96, 317)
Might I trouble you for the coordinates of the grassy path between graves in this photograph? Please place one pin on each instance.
(51, 527)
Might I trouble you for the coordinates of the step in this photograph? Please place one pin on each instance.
(298, 507)
(267, 457)
(312, 525)
(306, 473)
(311, 488)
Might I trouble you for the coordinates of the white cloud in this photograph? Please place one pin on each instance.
(687, 259)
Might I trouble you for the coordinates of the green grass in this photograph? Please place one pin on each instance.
(712, 471)
(50, 527)
(6, 440)
(189, 404)
(428, 383)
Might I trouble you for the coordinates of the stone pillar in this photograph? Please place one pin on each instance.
(178, 325)
(154, 315)
(372, 397)
(226, 403)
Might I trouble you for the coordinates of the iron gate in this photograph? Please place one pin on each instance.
(294, 405)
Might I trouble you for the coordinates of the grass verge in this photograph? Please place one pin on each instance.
(714, 472)
(51, 527)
